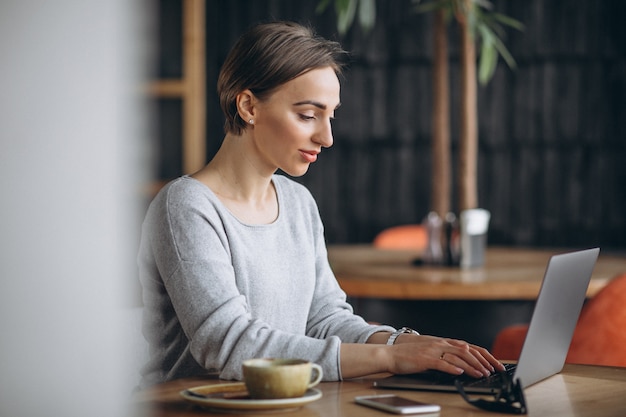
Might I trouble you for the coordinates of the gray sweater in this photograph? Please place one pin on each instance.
(217, 291)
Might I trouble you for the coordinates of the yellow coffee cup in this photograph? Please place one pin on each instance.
(272, 378)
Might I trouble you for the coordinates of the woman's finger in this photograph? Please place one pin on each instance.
(470, 359)
(481, 354)
(473, 369)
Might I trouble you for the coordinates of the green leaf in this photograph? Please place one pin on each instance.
(367, 14)
(346, 10)
(488, 55)
(508, 21)
(321, 6)
(487, 63)
(506, 55)
(485, 4)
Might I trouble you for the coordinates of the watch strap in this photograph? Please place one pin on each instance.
(403, 330)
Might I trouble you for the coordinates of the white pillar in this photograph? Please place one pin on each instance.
(71, 147)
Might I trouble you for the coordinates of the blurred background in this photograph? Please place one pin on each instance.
(551, 132)
(102, 102)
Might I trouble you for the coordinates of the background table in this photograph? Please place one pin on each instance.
(508, 273)
(471, 304)
(578, 391)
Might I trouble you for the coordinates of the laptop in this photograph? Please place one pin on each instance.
(549, 334)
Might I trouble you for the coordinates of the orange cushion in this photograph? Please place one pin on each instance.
(410, 236)
(600, 335)
(509, 341)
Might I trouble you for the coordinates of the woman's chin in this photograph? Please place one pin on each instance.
(297, 171)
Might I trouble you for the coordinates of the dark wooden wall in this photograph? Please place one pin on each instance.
(552, 163)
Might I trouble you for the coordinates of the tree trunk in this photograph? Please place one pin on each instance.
(441, 170)
(468, 149)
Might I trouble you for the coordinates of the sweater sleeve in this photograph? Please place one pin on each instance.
(331, 314)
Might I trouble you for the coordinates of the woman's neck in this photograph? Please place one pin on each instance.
(238, 182)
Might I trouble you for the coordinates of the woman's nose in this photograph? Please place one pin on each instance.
(325, 135)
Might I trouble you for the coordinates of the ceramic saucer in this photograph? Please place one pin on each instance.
(231, 397)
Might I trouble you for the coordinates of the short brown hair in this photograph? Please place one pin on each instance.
(267, 56)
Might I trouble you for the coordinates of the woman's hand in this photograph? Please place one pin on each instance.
(412, 353)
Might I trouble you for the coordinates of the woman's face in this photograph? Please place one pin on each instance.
(293, 125)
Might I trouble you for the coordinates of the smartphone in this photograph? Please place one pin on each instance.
(395, 404)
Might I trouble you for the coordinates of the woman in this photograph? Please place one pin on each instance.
(233, 261)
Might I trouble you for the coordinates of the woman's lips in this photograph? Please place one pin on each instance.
(309, 156)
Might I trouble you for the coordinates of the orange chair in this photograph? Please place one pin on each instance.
(599, 337)
(407, 237)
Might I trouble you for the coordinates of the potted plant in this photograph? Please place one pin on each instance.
(479, 26)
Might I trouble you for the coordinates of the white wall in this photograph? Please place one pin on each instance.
(71, 159)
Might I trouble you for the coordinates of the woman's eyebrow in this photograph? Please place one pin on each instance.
(314, 103)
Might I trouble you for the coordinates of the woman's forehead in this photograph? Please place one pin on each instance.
(318, 87)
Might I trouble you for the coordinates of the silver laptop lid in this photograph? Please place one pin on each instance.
(555, 315)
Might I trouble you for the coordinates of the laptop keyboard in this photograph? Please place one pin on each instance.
(493, 380)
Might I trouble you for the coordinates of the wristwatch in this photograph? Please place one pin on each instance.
(394, 335)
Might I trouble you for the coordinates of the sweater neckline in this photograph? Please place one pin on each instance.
(219, 202)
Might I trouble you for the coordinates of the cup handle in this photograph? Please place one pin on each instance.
(318, 370)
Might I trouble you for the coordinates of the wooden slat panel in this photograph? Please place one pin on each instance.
(552, 159)
(194, 134)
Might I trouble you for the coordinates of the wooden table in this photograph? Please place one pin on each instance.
(579, 390)
(508, 274)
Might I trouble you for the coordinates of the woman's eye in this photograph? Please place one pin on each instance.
(306, 117)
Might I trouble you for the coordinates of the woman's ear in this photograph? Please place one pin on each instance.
(246, 105)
